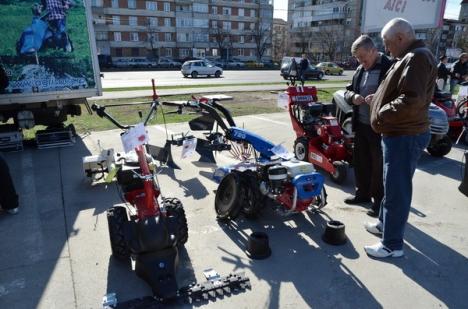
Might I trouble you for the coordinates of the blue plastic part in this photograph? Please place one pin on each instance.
(261, 145)
(308, 185)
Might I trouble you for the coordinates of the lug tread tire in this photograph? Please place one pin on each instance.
(116, 219)
(175, 208)
(231, 210)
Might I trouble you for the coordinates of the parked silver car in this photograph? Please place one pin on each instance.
(194, 68)
(168, 63)
(142, 63)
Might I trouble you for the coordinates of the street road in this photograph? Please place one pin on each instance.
(175, 78)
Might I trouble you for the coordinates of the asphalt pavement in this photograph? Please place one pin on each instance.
(56, 253)
(175, 78)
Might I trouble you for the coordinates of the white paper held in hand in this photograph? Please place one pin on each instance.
(134, 137)
(188, 147)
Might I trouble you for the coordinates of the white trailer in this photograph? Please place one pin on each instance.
(49, 55)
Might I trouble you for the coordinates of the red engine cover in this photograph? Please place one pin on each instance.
(286, 199)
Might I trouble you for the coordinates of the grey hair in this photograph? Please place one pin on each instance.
(364, 41)
(398, 26)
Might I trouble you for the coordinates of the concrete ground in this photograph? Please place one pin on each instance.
(55, 253)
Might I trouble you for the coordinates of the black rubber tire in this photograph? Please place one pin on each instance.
(285, 77)
(340, 172)
(72, 128)
(301, 149)
(441, 147)
(175, 209)
(116, 219)
(252, 198)
(228, 197)
(320, 76)
(218, 74)
(462, 108)
(194, 74)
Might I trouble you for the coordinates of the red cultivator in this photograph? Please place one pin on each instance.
(319, 136)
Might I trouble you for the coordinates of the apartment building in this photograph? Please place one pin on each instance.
(183, 28)
(279, 39)
(323, 29)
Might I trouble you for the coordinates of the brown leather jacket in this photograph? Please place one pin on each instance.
(400, 104)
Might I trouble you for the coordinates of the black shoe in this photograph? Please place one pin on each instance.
(372, 213)
(355, 200)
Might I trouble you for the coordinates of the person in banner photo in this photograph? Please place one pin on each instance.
(48, 28)
(57, 18)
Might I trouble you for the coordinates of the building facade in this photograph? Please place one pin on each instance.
(279, 39)
(323, 29)
(183, 28)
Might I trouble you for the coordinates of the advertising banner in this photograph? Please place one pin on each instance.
(46, 47)
(420, 13)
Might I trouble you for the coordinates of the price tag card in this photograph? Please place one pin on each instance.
(134, 137)
(282, 152)
(188, 147)
(283, 100)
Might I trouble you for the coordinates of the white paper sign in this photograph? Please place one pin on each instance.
(188, 147)
(134, 137)
(283, 100)
(463, 91)
(282, 152)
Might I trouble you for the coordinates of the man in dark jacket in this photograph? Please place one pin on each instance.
(399, 111)
(8, 196)
(367, 154)
(303, 65)
(442, 73)
(459, 71)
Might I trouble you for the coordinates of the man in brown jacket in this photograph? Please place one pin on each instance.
(399, 111)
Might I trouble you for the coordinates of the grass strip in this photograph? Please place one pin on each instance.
(219, 85)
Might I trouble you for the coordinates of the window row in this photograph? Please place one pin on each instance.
(169, 37)
(196, 7)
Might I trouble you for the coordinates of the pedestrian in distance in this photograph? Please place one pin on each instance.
(399, 111)
(367, 152)
(459, 71)
(303, 65)
(442, 73)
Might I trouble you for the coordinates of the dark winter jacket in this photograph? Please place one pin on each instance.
(460, 68)
(353, 88)
(304, 64)
(442, 71)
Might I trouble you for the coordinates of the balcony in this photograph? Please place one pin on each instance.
(330, 16)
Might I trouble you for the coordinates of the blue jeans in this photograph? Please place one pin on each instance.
(400, 156)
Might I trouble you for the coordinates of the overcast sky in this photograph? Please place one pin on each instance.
(452, 9)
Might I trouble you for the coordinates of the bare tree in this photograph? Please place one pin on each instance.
(461, 41)
(261, 35)
(329, 40)
(302, 39)
(152, 33)
(222, 38)
(433, 39)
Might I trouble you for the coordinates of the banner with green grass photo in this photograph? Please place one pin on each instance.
(45, 46)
